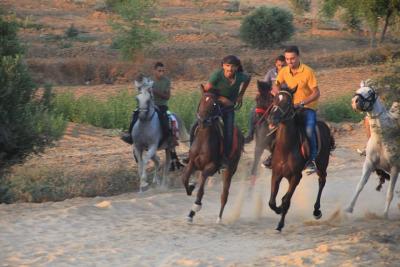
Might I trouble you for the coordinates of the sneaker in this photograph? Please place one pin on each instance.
(311, 167)
(267, 163)
(186, 160)
(127, 138)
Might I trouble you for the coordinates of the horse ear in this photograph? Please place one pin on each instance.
(362, 84)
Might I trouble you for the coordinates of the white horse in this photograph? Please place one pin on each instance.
(147, 134)
(382, 151)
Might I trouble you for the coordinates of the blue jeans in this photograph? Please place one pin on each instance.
(229, 120)
(310, 120)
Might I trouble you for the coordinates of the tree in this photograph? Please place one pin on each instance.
(134, 32)
(26, 124)
(371, 12)
(266, 27)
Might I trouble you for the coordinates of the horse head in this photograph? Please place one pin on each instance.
(365, 97)
(145, 97)
(208, 108)
(282, 106)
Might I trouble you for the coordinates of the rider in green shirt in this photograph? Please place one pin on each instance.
(230, 82)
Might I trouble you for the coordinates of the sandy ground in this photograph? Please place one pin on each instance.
(150, 229)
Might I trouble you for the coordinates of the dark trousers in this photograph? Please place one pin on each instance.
(164, 120)
(229, 121)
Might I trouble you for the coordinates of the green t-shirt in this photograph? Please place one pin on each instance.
(164, 86)
(222, 84)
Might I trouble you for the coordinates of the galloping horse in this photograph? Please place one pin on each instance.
(381, 153)
(207, 149)
(263, 135)
(147, 135)
(288, 159)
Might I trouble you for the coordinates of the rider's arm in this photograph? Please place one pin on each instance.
(311, 98)
(312, 83)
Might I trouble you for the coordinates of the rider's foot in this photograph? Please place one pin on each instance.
(267, 163)
(311, 167)
(127, 138)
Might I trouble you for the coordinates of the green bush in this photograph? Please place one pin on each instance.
(266, 27)
(339, 110)
(26, 122)
(134, 32)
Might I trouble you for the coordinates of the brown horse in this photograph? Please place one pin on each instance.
(206, 151)
(288, 160)
(264, 138)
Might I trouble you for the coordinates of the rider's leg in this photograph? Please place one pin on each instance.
(192, 132)
(164, 120)
(250, 134)
(310, 122)
(228, 118)
(127, 137)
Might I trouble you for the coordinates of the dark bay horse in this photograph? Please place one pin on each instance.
(264, 138)
(206, 152)
(288, 160)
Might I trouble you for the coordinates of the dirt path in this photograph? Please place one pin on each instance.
(150, 229)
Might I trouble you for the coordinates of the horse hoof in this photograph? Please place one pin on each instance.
(189, 219)
(317, 214)
(386, 216)
(219, 220)
(278, 229)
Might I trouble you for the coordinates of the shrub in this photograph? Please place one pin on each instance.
(300, 6)
(266, 27)
(26, 123)
(134, 33)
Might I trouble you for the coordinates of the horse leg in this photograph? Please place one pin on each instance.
(294, 181)
(166, 167)
(187, 172)
(225, 191)
(321, 183)
(389, 196)
(366, 172)
(149, 155)
(275, 182)
(209, 168)
(156, 161)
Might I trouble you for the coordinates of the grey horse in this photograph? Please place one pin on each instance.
(147, 134)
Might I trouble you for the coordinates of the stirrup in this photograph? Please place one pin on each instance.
(311, 167)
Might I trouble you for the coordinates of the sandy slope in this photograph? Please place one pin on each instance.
(150, 229)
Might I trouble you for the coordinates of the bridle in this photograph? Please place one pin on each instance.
(287, 114)
(367, 103)
(215, 114)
